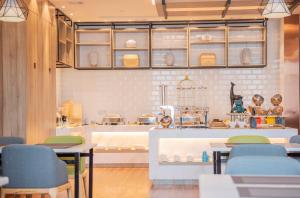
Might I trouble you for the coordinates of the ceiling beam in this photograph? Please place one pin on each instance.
(228, 2)
(294, 5)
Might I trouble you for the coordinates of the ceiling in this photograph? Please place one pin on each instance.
(151, 10)
(107, 10)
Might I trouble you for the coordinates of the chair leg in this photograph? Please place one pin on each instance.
(69, 192)
(53, 193)
(2, 193)
(84, 180)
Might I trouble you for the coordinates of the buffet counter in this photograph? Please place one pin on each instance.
(117, 145)
(175, 155)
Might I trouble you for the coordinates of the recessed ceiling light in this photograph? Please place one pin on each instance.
(71, 14)
(63, 7)
(153, 2)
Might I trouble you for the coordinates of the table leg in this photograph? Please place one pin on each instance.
(76, 175)
(91, 162)
(218, 162)
(215, 162)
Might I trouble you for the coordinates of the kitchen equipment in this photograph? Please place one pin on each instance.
(216, 123)
(147, 119)
(113, 119)
(76, 114)
(130, 43)
(207, 59)
(163, 93)
(168, 121)
(131, 60)
(189, 119)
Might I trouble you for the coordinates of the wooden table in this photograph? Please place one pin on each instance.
(216, 186)
(222, 149)
(82, 150)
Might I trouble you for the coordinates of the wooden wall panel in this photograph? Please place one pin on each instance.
(14, 79)
(1, 84)
(29, 74)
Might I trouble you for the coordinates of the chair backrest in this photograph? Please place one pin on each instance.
(11, 140)
(257, 150)
(32, 166)
(248, 139)
(260, 165)
(295, 139)
(65, 140)
(71, 140)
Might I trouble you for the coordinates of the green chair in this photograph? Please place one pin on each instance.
(248, 139)
(71, 167)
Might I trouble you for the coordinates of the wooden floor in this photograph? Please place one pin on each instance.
(134, 183)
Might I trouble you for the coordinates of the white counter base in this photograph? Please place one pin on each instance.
(192, 142)
(115, 143)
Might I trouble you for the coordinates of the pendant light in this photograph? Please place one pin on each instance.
(13, 10)
(276, 9)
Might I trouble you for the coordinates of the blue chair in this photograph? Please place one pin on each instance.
(257, 150)
(262, 165)
(295, 139)
(11, 140)
(33, 169)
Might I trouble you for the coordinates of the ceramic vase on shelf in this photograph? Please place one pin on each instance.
(93, 58)
(245, 56)
(130, 43)
(169, 59)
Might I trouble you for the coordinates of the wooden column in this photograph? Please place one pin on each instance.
(1, 84)
(28, 50)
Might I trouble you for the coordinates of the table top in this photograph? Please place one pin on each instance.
(223, 147)
(216, 186)
(82, 148)
(3, 181)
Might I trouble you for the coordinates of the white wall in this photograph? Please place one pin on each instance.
(135, 92)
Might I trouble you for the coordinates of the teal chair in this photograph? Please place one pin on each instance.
(33, 169)
(262, 165)
(6, 140)
(71, 167)
(295, 140)
(257, 150)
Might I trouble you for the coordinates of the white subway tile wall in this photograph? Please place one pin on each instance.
(135, 92)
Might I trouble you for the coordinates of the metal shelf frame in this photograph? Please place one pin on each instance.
(154, 25)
